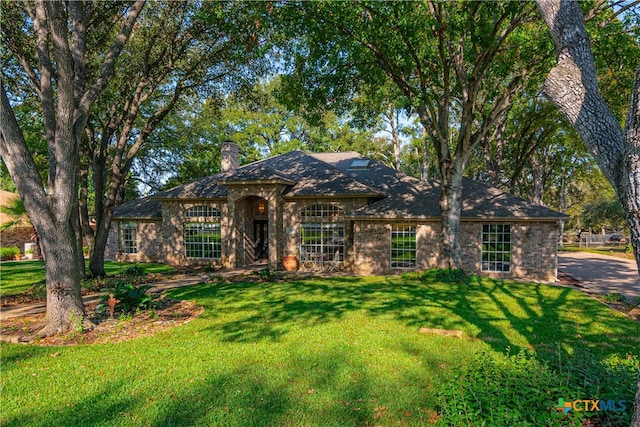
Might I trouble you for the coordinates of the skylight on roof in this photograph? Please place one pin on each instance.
(359, 164)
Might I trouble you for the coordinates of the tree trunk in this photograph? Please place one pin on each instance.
(573, 87)
(450, 208)
(59, 31)
(635, 422)
(65, 309)
(424, 175)
(96, 262)
(51, 217)
(395, 138)
(538, 186)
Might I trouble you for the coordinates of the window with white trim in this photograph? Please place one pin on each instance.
(496, 247)
(202, 236)
(128, 242)
(207, 213)
(403, 246)
(322, 234)
(203, 240)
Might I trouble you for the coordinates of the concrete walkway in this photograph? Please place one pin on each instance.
(156, 287)
(601, 274)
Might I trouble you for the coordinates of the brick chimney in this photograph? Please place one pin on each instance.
(228, 156)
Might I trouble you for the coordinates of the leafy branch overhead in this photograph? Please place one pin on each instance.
(179, 49)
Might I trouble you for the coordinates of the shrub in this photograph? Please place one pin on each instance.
(613, 297)
(9, 254)
(134, 271)
(522, 390)
(129, 298)
(266, 275)
(38, 290)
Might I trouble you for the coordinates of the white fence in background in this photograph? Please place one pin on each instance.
(594, 240)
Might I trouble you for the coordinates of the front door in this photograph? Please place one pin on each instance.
(261, 239)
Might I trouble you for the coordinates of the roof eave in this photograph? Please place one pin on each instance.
(462, 219)
(256, 181)
(137, 218)
(191, 199)
(333, 196)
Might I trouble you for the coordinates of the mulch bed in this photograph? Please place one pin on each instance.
(169, 313)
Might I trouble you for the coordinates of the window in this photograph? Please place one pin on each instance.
(403, 246)
(496, 247)
(320, 212)
(202, 240)
(322, 234)
(128, 243)
(202, 233)
(359, 164)
(207, 213)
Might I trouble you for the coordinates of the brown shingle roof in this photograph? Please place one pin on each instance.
(421, 201)
(145, 208)
(331, 175)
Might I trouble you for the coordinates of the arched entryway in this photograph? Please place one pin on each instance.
(254, 229)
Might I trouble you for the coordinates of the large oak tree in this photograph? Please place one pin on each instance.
(458, 66)
(573, 86)
(179, 49)
(49, 41)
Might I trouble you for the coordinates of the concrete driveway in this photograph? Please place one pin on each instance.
(601, 274)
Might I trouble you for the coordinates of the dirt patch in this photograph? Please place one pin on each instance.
(443, 332)
(169, 313)
(565, 280)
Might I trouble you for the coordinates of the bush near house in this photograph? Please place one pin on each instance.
(9, 254)
(28, 276)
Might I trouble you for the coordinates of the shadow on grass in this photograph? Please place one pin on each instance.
(327, 382)
(502, 314)
(104, 407)
(309, 390)
(314, 392)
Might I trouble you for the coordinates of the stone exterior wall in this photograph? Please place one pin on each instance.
(148, 240)
(290, 240)
(240, 199)
(367, 242)
(372, 246)
(16, 237)
(172, 232)
(533, 253)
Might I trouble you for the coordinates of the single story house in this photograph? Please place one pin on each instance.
(20, 232)
(332, 210)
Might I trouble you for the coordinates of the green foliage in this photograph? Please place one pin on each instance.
(129, 298)
(9, 254)
(256, 120)
(607, 214)
(523, 390)
(341, 351)
(266, 275)
(614, 297)
(19, 276)
(17, 214)
(134, 271)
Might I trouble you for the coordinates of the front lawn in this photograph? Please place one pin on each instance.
(614, 251)
(332, 352)
(19, 276)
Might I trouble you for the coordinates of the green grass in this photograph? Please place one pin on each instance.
(19, 276)
(615, 251)
(330, 352)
